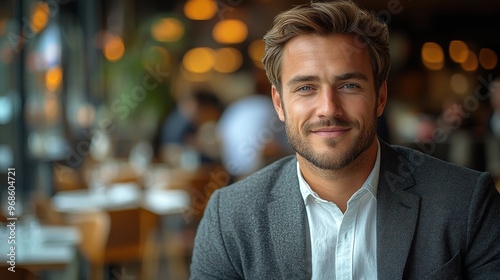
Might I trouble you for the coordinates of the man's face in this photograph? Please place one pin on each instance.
(329, 103)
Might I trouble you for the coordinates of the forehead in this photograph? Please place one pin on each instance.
(331, 54)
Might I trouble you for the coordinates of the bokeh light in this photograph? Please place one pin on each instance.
(199, 60)
(488, 58)
(114, 48)
(230, 31)
(471, 63)
(53, 78)
(40, 16)
(167, 30)
(432, 56)
(458, 51)
(228, 60)
(200, 9)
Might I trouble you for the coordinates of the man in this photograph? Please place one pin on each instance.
(347, 206)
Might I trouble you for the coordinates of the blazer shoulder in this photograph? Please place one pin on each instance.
(262, 183)
(431, 164)
(433, 176)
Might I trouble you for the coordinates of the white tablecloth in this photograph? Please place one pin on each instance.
(40, 245)
(125, 195)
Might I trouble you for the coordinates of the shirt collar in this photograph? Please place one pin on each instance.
(370, 185)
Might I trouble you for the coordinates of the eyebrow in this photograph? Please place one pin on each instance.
(351, 75)
(302, 78)
(312, 78)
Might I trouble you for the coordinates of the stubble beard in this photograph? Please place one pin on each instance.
(327, 161)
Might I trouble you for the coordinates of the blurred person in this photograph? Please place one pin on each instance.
(251, 135)
(347, 205)
(190, 129)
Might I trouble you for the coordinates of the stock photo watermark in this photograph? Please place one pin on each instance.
(11, 216)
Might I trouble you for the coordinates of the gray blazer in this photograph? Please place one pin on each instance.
(435, 220)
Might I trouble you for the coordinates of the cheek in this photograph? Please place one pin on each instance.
(299, 113)
(363, 111)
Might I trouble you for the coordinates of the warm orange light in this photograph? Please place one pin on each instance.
(230, 31)
(432, 52)
(199, 60)
(471, 63)
(53, 78)
(488, 58)
(458, 51)
(167, 30)
(432, 56)
(200, 9)
(40, 16)
(114, 48)
(256, 52)
(228, 60)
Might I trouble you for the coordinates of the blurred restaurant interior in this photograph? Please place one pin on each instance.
(119, 118)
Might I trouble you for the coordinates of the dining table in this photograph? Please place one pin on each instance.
(47, 249)
(121, 196)
(164, 203)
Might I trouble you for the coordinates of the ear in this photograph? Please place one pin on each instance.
(382, 99)
(278, 105)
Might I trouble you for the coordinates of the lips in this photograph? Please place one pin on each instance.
(330, 131)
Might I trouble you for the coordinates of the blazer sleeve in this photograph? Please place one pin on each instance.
(482, 258)
(210, 256)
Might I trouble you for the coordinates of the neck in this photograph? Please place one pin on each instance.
(338, 186)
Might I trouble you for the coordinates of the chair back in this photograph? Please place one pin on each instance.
(129, 233)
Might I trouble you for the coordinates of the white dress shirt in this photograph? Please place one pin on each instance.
(343, 245)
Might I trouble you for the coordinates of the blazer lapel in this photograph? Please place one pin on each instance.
(288, 226)
(397, 213)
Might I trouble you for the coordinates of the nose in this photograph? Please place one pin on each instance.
(329, 104)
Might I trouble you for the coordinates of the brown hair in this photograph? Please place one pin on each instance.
(338, 17)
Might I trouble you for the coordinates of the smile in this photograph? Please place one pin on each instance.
(331, 131)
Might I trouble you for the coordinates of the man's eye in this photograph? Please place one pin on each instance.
(350, 86)
(305, 88)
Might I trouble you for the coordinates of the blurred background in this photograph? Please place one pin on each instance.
(119, 118)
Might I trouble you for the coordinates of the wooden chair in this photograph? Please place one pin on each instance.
(94, 229)
(121, 237)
